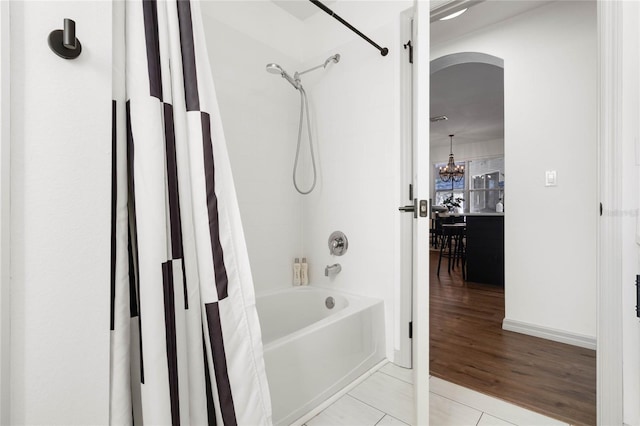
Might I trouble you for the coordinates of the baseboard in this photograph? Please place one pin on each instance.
(549, 333)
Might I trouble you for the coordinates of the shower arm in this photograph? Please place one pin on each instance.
(298, 74)
(335, 58)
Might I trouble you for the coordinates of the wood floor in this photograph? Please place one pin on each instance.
(468, 347)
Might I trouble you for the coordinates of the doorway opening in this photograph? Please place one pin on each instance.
(468, 345)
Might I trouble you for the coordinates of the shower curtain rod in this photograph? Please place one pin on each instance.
(383, 50)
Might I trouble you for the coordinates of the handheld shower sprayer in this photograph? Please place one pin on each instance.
(304, 107)
(277, 69)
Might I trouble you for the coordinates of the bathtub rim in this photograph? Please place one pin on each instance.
(356, 303)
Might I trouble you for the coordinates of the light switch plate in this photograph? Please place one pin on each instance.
(550, 178)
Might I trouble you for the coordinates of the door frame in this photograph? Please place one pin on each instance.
(609, 231)
(421, 169)
(403, 355)
(609, 395)
(5, 210)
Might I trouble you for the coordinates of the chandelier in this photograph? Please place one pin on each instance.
(451, 171)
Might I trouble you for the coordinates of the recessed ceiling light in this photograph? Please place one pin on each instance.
(453, 15)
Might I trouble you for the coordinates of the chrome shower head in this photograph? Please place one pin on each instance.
(277, 69)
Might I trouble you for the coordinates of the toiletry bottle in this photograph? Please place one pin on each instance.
(304, 272)
(499, 207)
(296, 272)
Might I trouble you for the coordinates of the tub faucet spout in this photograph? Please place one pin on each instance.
(332, 269)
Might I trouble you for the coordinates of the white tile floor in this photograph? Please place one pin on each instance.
(385, 397)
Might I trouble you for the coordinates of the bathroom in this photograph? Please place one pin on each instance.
(355, 106)
(60, 186)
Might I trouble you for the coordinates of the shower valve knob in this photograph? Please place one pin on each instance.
(338, 243)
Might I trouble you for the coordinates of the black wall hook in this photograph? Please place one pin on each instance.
(64, 42)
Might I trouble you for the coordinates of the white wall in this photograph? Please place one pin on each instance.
(60, 216)
(468, 151)
(356, 110)
(260, 118)
(550, 57)
(262, 21)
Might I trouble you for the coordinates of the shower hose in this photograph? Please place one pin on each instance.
(304, 107)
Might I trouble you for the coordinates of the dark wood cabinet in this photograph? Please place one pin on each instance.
(485, 249)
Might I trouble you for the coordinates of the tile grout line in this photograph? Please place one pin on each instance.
(380, 419)
(391, 375)
(366, 403)
(393, 417)
(458, 402)
(484, 412)
(501, 401)
(384, 413)
(336, 396)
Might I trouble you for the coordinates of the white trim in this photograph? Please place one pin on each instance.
(422, 172)
(556, 335)
(5, 211)
(403, 343)
(452, 59)
(609, 235)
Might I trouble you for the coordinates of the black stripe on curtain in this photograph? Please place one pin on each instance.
(172, 348)
(212, 206)
(150, 13)
(177, 251)
(133, 291)
(114, 200)
(134, 278)
(216, 340)
(211, 408)
(187, 47)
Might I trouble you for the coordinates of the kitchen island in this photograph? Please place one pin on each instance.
(485, 248)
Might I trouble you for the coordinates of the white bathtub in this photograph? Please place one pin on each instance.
(310, 351)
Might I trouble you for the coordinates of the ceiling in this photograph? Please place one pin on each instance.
(471, 95)
(301, 9)
(480, 15)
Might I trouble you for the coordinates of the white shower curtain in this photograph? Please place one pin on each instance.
(185, 338)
